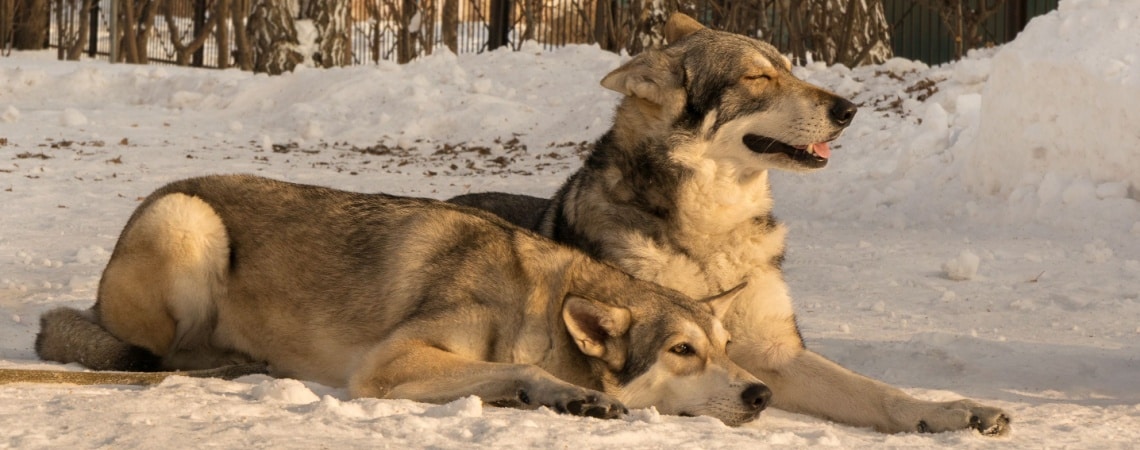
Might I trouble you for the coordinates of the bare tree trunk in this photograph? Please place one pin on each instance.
(333, 21)
(183, 52)
(377, 12)
(647, 19)
(427, 26)
(7, 25)
(406, 38)
(64, 28)
(531, 11)
(71, 45)
(31, 24)
(222, 35)
(130, 52)
(148, 10)
(603, 25)
(451, 25)
(239, 13)
(973, 24)
(848, 32)
(273, 38)
(136, 27)
(793, 21)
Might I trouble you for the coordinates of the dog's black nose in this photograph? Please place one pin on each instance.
(842, 111)
(756, 397)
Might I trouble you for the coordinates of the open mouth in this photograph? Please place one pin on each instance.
(811, 155)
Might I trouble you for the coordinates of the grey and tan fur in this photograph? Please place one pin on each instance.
(677, 193)
(395, 297)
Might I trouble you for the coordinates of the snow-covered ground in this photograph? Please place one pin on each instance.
(976, 234)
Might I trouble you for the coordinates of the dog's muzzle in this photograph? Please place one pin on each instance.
(812, 155)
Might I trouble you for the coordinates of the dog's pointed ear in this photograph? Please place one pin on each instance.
(722, 302)
(593, 324)
(680, 25)
(653, 75)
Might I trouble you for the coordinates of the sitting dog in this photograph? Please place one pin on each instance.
(677, 193)
(395, 297)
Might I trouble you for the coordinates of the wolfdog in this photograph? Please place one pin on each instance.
(395, 297)
(677, 193)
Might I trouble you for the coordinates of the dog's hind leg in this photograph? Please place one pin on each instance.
(160, 288)
(416, 370)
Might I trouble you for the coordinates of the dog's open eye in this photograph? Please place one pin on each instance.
(682, 349)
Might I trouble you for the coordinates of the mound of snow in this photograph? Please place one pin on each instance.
(465, 407)
(1060, 105)
(284, 390)
(962, 268)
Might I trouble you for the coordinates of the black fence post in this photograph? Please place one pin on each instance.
(500, 24)
(199, 58)
(93, 30)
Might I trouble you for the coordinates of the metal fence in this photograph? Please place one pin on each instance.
(918, 33)
(475, 26)
(186, 19)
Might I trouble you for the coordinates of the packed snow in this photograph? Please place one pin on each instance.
(976, 234)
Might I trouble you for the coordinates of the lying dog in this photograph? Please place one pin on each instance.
(677, 193)
(395, 298)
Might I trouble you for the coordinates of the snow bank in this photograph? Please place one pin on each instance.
(1059, 119)
(1044, 131)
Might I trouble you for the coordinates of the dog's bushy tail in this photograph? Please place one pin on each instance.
(68, 335)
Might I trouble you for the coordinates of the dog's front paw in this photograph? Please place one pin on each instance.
(600, 406)
(961, 415)
(586, 403)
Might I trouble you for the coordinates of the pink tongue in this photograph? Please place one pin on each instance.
(822, 149)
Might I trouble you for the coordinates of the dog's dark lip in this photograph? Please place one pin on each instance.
(762, 144)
